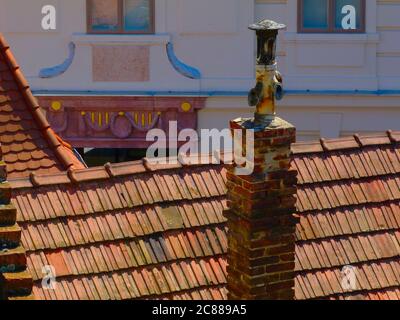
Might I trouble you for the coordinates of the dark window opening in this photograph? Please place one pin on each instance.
(99, 156)
(331, 16)
(120, 16)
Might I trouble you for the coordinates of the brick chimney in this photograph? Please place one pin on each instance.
(15, 281)
(261, 221)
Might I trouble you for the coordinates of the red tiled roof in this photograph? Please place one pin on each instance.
(136, 230)
(141, 233)
(349, 206)
(28, 142)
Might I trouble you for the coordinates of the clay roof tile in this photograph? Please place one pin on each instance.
(35, 133)
(132, 222)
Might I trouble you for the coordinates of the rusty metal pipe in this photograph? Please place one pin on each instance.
(269, 87)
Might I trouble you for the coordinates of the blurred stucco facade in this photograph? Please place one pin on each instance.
(337, 84)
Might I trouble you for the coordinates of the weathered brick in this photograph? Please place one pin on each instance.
(5, 193)
(280, 250)
(283, 174)
(8, 215)
(13, 257)
(10, 236)
(286, 294)
(263, 185)
(287, 275)
(233, 179)
(18, 283)
(282, 267)
(279, 141)
(261, 220)
(3, 171)
(266, 134)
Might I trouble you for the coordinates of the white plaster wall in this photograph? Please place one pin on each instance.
(388, 55)
(212, 40)
(315, 116)
(212, 35)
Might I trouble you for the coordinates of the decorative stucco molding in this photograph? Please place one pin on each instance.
(117, 121)
(179, 66)
(61, 68)
(121, 124)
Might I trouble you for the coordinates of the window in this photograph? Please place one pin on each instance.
(340, 16)
(120, 16)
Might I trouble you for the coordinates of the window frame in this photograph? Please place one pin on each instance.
(89, 24)
(331, 19)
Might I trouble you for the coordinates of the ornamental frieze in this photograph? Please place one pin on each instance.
(117, 122)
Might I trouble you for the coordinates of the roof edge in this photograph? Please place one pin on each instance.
(55, 143)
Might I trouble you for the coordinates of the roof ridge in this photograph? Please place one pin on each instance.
(346, 143)
(55, 142)
(114, 170)
(144, 165)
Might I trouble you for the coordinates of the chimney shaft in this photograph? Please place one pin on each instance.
(261, 221)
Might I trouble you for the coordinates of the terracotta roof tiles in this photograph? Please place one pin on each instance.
(28, 142)
(348, 202)
(159, 232)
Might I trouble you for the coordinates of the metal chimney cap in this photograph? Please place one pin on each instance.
(265, 25)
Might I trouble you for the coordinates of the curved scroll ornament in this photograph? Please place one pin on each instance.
(58, 70)
(179, 66)
(122, 124)
(58, 121)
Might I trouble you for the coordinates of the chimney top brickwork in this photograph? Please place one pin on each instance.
(261, 220)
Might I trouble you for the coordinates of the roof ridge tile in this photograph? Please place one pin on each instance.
(88, 174)
(31, 103)
(307, 147)
(109, 169)
(373, 140)
(346, 143)
(126, 168)
(152, 165)
(393, 136)
(96, 173)
(157, 164)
